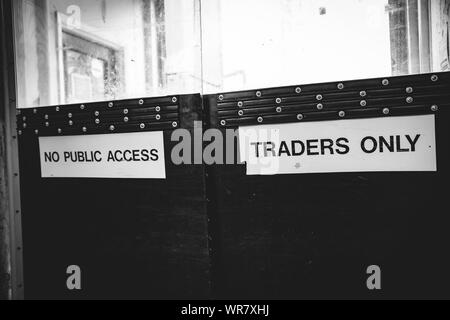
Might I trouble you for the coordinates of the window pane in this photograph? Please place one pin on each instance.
(266, 43)
(70, 51)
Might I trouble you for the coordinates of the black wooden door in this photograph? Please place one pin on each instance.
(132, 238)
(315, 235)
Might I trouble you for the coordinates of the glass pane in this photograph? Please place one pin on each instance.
(252, 44)
(70, 51)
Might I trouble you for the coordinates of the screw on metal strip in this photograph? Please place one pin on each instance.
(299, 117)
(409, 100)
(223, 122)
(47, 124)
(125, 111)
(341, 114)
(141, 102)
(59, 131)
(221, 97)
(363, 94)
(158, 109)
(340, 86)
(126, 119)
(96, 113)
(319, 97)
(70, 123)
(434, 78)
(112, 128)
(385, 82)
(240, 104)
(84, 129)
(57, 109)
(240, 113)
(278, 100)
(69, 115)
(258, 94)
(386, 111)
(34, 111)
(298, 90)
(174, 124)
(174, 99)
(142, 126)
(409, 90)
(260, 119)
(97, 121)
(319, 106)
(158, 117)
(82, 107)
(363, 103)
(434, 108)
(279, 110)
(111, 104)
(36, 131)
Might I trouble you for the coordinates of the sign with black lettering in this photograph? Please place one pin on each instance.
(123, 155)
(359, 145)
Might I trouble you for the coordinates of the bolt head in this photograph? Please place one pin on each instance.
(340, 86)
(363, 94)
(434, 78)
(319, 97)
(434, 108)
(111, 104)
(341, 114)
(260, 119)
(409, 100)
(174, 124)
(299, 117)
(320, 106)
(174, 99)
(258, 94)
(142, 126)
(386, 111)
(385, 82)
(298, 90)
(223, 122)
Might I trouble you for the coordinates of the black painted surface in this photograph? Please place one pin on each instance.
(132, 238)
(314, 235)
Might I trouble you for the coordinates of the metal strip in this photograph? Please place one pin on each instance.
(406, 95)
(148, 114)
(15, 220)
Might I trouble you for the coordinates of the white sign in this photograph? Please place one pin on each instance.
(124, 155)
(360, 145)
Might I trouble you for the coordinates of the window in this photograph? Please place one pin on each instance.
(70, 51)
